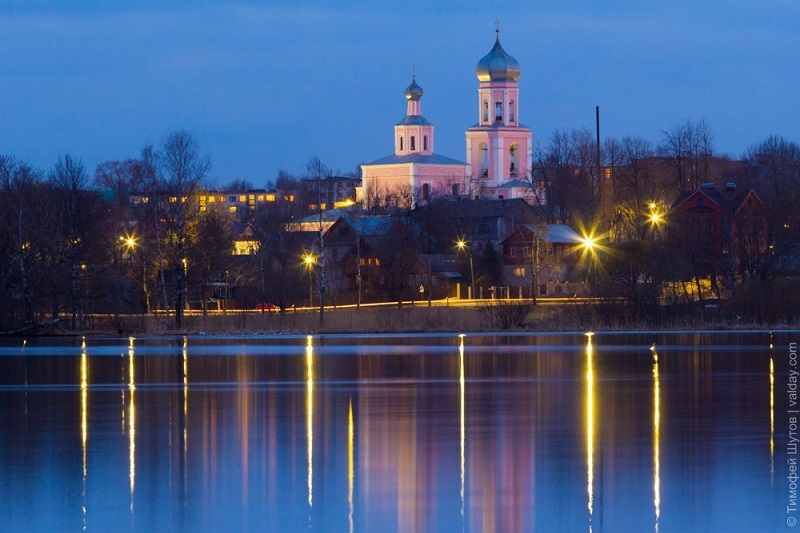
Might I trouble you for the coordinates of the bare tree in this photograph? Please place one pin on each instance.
(688, 147)
(69, 180)
(18, 186)
(181, 169)
(317, 170)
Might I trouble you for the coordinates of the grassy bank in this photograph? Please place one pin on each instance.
(492, 316)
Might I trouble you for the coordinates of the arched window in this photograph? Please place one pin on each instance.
(498, 111)
(455, 188)
(511, 111)
(412, 146)
(424, 142)
(484, 160)
(512, 152)
(401, 144)
(426, 190)
(485, 111)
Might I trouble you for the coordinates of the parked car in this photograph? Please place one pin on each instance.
(266, 307)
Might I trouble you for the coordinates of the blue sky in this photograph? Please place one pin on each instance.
(265, 86)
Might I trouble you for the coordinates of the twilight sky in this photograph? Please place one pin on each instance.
(265, 85)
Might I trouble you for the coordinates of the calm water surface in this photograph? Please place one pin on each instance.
(550, 432)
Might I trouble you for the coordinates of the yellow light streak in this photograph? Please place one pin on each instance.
(185, 354)
(84, 420)
(462, 419)
(350, 462)
(772, 417)
(310, 418)
(590, 407)
(131, 421)
(656, 437)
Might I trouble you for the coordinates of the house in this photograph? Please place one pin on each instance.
(481, 222)
(542, 255)
(383, 249)
(717, 228)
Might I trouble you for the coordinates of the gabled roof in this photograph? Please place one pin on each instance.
(371, 226)
(560, 233)
(514, 183)
(728, 199)
(554, 234)
(433, 159)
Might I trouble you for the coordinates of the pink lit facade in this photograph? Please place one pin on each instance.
(414, 172)
(499, 147)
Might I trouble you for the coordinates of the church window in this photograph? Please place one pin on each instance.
(455, 189)
(426, 190)
(401, 144)
(511, 111)
(485, 111)
(413, 143)
(498, 111)
(424, 142)
(512, 152)
(484, 160)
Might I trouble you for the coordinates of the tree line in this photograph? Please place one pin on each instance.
(73, 245)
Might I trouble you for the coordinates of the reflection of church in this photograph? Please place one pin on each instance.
(498, 146)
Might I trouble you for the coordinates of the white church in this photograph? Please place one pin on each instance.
(498, 146)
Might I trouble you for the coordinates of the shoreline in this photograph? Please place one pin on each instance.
(406, 320)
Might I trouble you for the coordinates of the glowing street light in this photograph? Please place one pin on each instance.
(129, 241)
(309, 260)
(461, 244)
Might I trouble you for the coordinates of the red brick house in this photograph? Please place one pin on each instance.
(544, 255)
(718, 229)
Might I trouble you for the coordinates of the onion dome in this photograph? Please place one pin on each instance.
(497, 65)
(414, 91)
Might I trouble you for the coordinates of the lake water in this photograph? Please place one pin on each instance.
(549, 432)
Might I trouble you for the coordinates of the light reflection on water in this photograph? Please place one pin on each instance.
(603, 432)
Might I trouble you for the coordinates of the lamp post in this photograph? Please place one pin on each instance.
(655, 218)
(462, 244)
(129, 242)
(309, 260)
(225, 303)
(588, 243)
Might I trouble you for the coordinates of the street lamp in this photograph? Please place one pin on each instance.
(309, 260)
(589, 245)
(654, 218)
(462, 244)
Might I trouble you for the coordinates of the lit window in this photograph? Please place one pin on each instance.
(270, 197)
(173, 199)
(232, 209)
(212, 199)
(261, 198)
(519, 272)
(242, 198)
